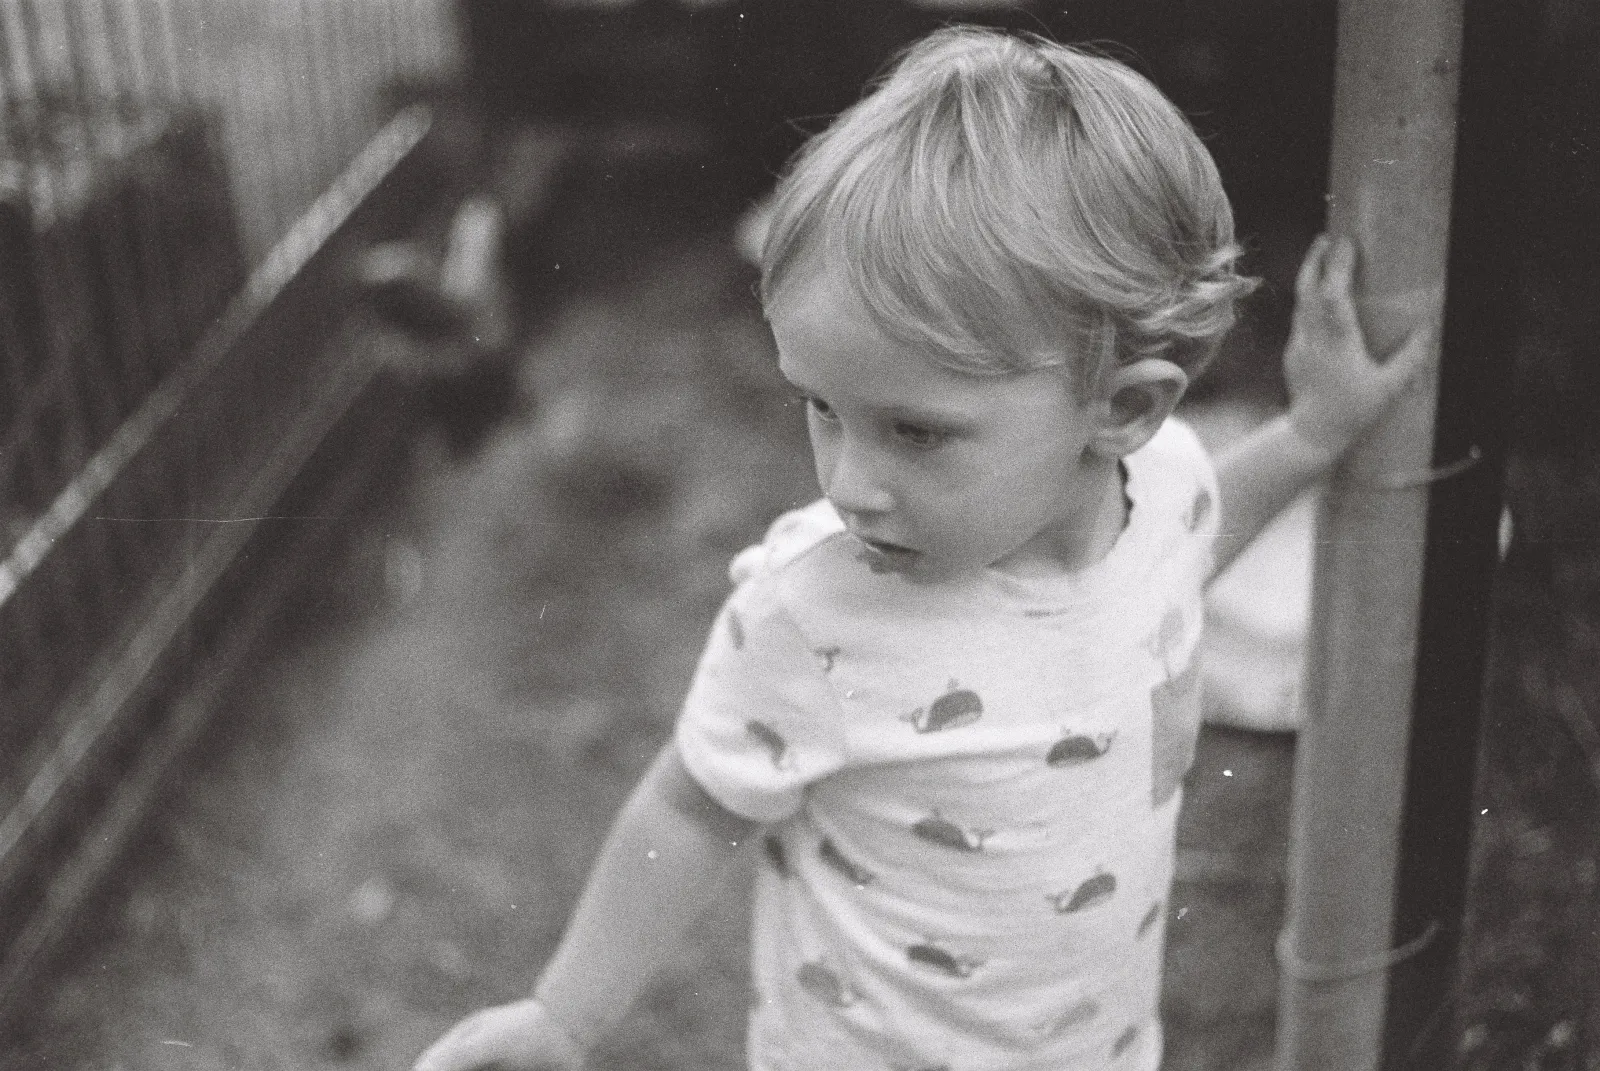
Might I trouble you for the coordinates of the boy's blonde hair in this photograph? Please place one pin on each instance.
(1012, 203)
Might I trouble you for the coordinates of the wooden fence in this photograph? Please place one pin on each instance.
(183, 186)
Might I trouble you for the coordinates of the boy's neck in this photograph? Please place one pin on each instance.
(1069, 548)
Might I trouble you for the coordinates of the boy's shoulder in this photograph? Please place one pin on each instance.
(808, 570)
(1176, 483)
(788, 539)
(804, 573)
(1175, 443)
(1174, 463)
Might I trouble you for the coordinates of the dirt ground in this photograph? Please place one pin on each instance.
(396, 806)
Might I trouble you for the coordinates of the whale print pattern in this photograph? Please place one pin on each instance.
(769, 738)
(942, 960)
(940, 830)
(830, 854)
(1075, 749)
(1151, 917)
(735, 629)
(825, 984)
(1094, 891)
(1077, 1015)
(1124, 1040)
(955, 708)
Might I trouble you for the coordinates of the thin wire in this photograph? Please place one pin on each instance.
(1303, 970)
(318, 75)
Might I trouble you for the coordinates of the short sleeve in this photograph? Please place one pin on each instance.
(1205, 511)
(1198, 498)
(760, 722)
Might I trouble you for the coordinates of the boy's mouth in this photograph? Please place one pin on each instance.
(888, 549)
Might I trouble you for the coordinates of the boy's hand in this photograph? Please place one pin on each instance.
(512, 1037)
(1336, 389)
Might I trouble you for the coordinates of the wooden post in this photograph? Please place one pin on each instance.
(1489, 254)
(1390, 184)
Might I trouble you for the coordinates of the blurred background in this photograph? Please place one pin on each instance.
(382, 394)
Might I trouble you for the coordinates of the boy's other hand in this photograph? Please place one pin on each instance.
(1336, 388)
(520, 1036)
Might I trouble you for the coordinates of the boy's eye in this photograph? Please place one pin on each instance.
(918, 435)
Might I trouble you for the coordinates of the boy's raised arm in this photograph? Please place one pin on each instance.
(1336, 390)
(670, 845)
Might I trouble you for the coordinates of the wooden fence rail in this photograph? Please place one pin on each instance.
(175, 176)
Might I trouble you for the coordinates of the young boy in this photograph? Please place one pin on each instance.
(954, 700)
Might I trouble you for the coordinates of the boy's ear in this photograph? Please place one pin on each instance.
(1137, 398)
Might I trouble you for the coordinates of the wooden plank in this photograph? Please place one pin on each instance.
(291, 290)
(281, 267)
(72, 884)
(1389, 191)
(162, 617)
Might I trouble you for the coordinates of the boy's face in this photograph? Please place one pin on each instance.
(940, 471)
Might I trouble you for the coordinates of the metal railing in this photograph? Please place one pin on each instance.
(168, 170)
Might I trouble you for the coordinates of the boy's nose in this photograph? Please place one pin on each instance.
(853, 487)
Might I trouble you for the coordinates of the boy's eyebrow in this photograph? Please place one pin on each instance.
(923, 414)
(954, 419)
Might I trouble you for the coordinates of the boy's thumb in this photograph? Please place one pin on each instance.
(1419, 354)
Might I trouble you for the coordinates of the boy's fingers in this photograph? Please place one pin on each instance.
(1419, 352)
(453, 1052)
(431, 1060)
(459, 1060)
(1305, 283)
(1342, 306)
(1341, 262)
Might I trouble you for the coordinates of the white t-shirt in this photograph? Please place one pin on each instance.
(972, 788)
